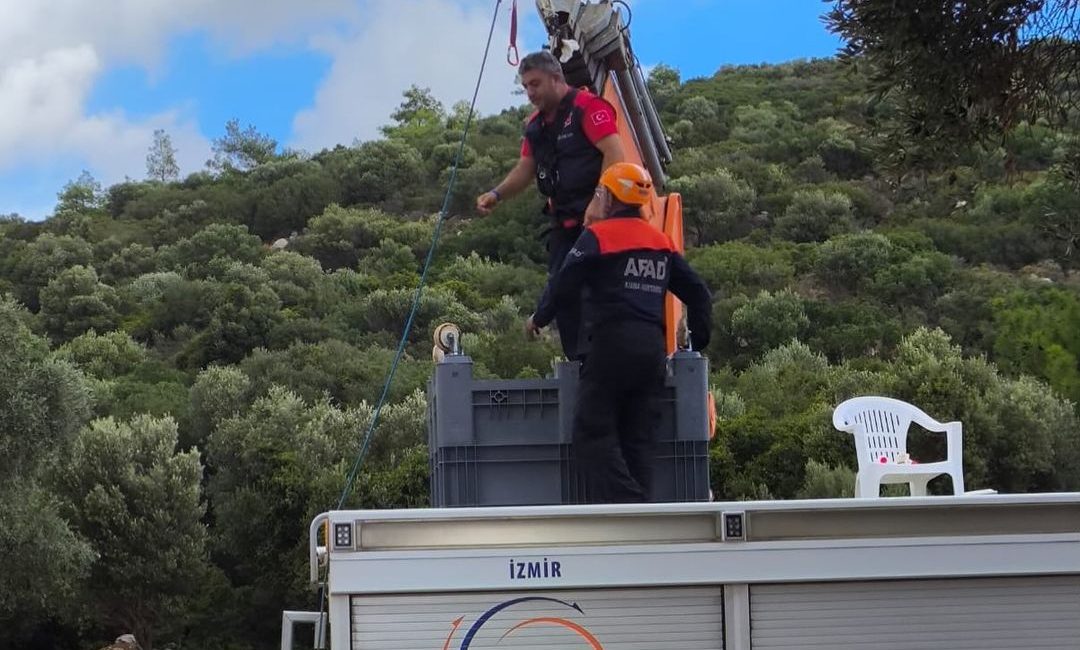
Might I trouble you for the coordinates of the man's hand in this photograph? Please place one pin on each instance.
(532, 332)
(486, 202)
(595, 210)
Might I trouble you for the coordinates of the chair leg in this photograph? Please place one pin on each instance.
(957, 482)
(918, 488)
(865, 487)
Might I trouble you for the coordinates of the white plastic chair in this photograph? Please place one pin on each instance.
(880, 426)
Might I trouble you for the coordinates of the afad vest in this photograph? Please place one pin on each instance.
(568, 165)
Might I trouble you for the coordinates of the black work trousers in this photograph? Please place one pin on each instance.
(617, 413)
(567, 317)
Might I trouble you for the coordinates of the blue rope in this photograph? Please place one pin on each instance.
(443, 213)
(354, 471)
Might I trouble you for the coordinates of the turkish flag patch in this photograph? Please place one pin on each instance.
(601, 117)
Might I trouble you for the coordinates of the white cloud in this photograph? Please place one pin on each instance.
(115, 147)
(39, 95)
(52, 52)
(138, 30)
(43, 101)
(437, 44)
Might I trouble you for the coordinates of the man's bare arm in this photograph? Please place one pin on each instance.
(515, 182)
(611, 147)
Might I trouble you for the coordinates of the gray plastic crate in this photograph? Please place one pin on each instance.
(504, 475)
(507, 441)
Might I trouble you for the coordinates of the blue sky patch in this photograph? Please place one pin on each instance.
(266, 89)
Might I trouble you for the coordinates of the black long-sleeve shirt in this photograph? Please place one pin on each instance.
(628, 266)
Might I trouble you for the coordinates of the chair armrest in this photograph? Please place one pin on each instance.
(930, 424)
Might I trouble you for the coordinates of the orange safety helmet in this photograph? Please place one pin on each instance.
(628, 183)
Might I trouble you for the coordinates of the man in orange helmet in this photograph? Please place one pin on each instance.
(627, 266)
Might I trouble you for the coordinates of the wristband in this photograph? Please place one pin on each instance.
(498, 197)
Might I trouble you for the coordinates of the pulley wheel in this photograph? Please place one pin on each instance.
(447, 337)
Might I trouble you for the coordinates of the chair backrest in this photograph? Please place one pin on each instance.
(882, 420)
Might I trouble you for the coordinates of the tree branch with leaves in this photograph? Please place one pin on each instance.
(965, 72)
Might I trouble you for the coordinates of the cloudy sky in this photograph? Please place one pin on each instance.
(84, 83)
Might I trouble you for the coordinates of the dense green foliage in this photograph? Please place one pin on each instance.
(178, 397)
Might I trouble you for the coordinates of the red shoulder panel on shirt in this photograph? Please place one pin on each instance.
(598, 119)
(621, 235)
(583, 97)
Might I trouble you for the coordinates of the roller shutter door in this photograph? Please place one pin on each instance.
(620, 619)
(1028, 613)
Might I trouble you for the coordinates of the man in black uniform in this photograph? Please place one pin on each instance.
(628, 266)
(570, 139)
